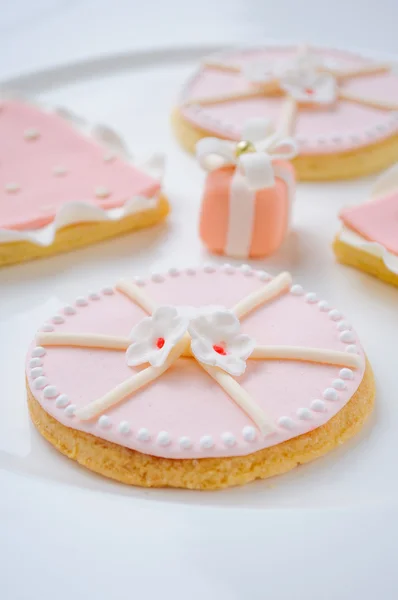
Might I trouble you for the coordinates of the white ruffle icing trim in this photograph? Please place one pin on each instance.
(375, 249)
(84, 212)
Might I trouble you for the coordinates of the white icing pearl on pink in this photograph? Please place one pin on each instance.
(94, 296)
(108, 291)
(229, 269)
(330, 394)
(62, 401)
(70, 410)
(59, 171)
(58, 319)
(347, 336)
(206, 441)
(31, 134)
(296, 290)
(69, 310)
(185, 442)
(124, 427)
(304, 414)
(263, 275)
(104, 422)
(81, 301)
(343, 325)
(163, 438)
(323, 305)
(246, 270)
(318, 405)
(352, 348)
(35, 362)
(346, 373)
(249, 433)
(157, 277)
(47, 327)
(209, 269)
(109, 157)
(174, 272)
(335, 315)
(286, 423)
(102, 192)
(143, 435)
(228, 439)
(12, 187)
(311, 297)
(191, 271)
(338, 384)
(139, 281)
(38, 351)
(40, 382)
(36, 372)
(50, 391)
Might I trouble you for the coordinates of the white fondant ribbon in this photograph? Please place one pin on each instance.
(254, 171)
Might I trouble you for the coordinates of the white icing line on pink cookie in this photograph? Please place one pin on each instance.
(284, 422)
(204, 118)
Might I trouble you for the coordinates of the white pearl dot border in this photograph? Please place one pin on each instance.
(227, 439)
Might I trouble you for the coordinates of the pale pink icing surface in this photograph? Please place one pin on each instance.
(30, 164)
(377, 221)
(318, 130)
(186, 401)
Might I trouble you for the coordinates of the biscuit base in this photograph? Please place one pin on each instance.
(311, 167)
(134, 468)
(83, 234)
(355, 257)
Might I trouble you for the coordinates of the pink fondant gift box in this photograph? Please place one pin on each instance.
(248, 192)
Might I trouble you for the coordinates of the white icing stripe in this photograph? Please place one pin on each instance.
(77, 212)
(316, 355)
(129, 386)
(351, 238)
(241, 398)
(83, 340)
(137, 295)
(242, 206)
(276, 286)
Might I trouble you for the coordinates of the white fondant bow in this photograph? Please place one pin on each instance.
(256, 166)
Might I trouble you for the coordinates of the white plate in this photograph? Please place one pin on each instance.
(326, 526)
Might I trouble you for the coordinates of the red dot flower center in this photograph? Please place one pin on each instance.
(309, 91)
(219, 349)
(160, 343)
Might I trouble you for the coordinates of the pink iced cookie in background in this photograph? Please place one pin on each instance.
(368, 239)
(200, 378)
(246, 202)
(65, 184)
(377, 221)
(340, 107)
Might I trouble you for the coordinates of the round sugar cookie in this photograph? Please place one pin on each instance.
(199, 378)
(341, 107)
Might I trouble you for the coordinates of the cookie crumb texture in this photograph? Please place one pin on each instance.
(134, 468)
(355, 257)
(83, 234)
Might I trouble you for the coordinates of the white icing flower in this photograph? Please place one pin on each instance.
(154, 337)
(300, 76)
(216, 341)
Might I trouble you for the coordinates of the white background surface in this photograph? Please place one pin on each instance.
(326, 530)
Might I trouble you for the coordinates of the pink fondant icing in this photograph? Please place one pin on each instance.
(377, 221)
(31, 163)
(186, 401)
(319, 130)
